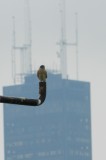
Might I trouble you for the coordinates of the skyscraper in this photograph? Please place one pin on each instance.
(59, 129)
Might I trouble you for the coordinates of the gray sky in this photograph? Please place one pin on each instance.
(45, 21)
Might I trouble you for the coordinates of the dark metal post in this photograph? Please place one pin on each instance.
(26, 101)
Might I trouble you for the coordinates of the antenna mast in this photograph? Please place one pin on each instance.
(63, 42)
(28, 40)
(63, 51)
(13, 53)
(25, 49)
(77, 65)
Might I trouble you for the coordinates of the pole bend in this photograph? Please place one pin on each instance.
(26, 101)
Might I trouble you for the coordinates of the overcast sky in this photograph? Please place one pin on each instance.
(45, 22)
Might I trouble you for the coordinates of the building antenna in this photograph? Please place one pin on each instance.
(77, 59)
(62, 43)
(13, 53)
(25, 48)
(28, 39)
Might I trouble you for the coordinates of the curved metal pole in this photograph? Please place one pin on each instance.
(26, 101)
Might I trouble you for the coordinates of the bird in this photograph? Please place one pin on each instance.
(42, 73)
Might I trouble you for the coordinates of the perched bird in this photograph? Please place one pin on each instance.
(42, 73)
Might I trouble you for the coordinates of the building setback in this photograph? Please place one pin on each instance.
(59, 129)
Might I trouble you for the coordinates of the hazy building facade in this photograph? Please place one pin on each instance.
(59, 129)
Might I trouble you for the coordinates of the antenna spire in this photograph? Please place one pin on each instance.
(13, 53)
(77, 65)
(63, 42)
(28, 40)
(24, 49)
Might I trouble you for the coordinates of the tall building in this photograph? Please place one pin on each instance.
(59, 129)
